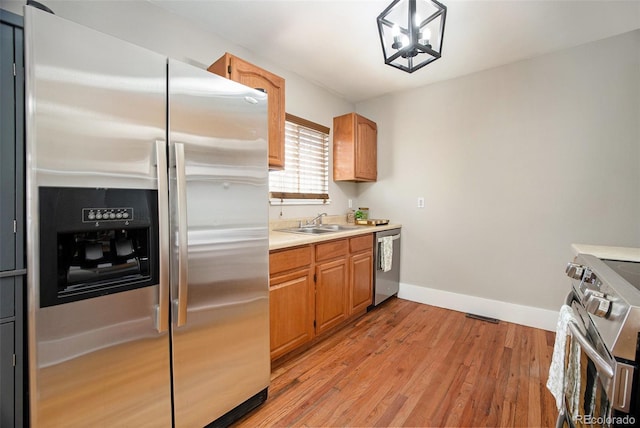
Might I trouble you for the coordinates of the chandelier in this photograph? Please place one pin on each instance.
(411, 33)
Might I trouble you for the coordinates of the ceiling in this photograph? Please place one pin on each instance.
(336, 45)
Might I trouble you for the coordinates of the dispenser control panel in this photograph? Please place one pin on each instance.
(90, 215)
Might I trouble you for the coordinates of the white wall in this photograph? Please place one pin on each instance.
(149, 26)
(515, 164)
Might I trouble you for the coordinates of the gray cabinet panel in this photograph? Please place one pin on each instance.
(7, 297)
(7, 150)
(7, 375)
(12, 262)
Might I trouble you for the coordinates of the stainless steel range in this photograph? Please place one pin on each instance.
(602, 355)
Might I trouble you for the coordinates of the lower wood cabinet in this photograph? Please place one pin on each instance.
(360, 273)
(332, 285)
(291, 299)
(315, 288)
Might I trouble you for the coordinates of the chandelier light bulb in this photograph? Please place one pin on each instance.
(404, 40)
(425, 37)
(398, 40)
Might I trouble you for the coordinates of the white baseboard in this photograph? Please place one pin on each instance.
(511, 312)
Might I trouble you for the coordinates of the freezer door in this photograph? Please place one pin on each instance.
(219, 229)
(95, 107)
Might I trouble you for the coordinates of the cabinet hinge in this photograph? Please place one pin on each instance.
(229, 70)
(14, 69)
(14, 360)
(15, 226)
(315, 278)
(314, 325)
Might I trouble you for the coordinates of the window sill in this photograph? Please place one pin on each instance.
(278, 201)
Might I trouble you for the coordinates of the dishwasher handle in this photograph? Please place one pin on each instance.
(393, 238)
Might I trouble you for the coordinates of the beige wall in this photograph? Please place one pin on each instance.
(149, 26)
(515, 164)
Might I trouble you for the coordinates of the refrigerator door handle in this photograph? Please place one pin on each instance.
(162, 308)
(181, 194)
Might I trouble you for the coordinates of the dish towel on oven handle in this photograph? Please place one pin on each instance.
(558, 377)
(386, 253)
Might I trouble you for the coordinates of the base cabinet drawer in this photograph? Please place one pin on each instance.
(288, 260)
(332, 250)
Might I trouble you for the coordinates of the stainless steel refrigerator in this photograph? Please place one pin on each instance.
(147, 235)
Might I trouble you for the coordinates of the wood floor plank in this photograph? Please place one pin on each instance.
(523, 379)
(408, 364)
(385, 380)
(426, 378)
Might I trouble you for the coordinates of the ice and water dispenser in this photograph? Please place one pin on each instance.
(95, 242)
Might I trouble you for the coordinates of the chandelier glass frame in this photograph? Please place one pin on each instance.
(411, 33)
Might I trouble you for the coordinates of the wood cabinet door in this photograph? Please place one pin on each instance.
(366, 153)
(291, 310)
(255, 77)
(355, 148)
(361, 281)
(331, 294)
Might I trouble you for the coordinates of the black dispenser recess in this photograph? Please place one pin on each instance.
(95, 242)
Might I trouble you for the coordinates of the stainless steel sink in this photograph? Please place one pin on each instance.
(336, 227)
(319, 229)
(307, 230)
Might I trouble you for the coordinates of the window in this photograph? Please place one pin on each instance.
(306, 173)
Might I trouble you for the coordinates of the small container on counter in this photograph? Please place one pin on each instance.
(351, 216)
(362, 213)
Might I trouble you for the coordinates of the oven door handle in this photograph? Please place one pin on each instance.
(603, 366)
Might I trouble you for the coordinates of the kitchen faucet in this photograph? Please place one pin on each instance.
(317, 219)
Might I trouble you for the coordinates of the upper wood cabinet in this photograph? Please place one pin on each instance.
(241, 71)
(355, 153)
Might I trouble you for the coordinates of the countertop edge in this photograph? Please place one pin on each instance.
(607, 252)
(282, 240)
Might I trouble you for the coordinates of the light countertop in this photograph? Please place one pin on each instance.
(279, 240)
(605, 252)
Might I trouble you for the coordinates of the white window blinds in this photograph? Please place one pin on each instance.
(306, 163)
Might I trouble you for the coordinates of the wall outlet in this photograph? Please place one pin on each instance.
(350, 203)
(420, 202)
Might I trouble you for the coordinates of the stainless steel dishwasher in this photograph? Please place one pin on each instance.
(386, 284)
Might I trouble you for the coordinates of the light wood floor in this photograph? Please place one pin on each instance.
(408, 364)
